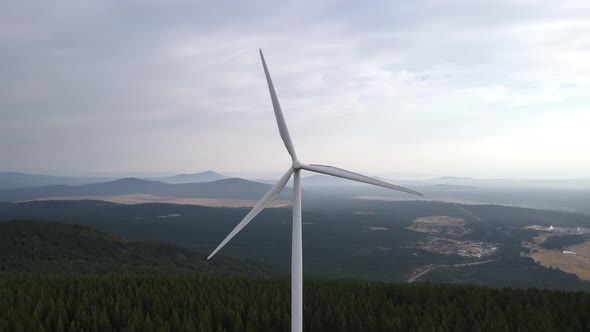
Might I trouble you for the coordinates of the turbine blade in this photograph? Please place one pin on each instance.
(278, 112)
(269, 197)
(342, 173)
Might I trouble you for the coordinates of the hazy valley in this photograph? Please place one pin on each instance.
(346, 234)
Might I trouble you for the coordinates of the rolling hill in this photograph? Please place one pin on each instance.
(207, 176)
(11, 180)
(233, 188)
(32, 246)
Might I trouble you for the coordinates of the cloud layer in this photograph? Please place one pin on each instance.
(490, 89)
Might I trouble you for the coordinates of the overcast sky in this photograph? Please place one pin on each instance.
(460, 88)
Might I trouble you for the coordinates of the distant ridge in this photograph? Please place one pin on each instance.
(442, 186)
(11, 180)
(452, 178)
(324, 180)
(233, 188)
(206, 176)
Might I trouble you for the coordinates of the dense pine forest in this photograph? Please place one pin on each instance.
(136, 302)
(60, 277)
(34, 246)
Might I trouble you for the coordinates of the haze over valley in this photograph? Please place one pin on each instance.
(379, 235)
(214, 189)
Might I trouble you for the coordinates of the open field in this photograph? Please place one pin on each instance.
(146, 198)
(578, 263)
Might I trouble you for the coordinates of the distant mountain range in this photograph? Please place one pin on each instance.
(13, 180)
(233, 188)
(583, 183)
(449, 182)
(10, 180)
(214, 189)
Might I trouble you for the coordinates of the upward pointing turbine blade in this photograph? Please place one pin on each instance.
(269, 197)
(278, 112)
(342, 173)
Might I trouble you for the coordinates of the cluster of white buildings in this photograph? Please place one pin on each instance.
(561, 230)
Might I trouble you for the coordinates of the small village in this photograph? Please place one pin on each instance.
(464, 248)
(447, 237)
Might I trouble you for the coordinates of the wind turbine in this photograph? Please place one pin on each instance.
(296, 167)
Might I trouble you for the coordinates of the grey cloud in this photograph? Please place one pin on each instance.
(177, 86)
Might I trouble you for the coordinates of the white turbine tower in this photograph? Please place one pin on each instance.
(296, 167)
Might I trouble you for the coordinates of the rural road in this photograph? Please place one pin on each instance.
(414, 278)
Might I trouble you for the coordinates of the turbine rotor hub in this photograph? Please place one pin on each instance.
(296, 164)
